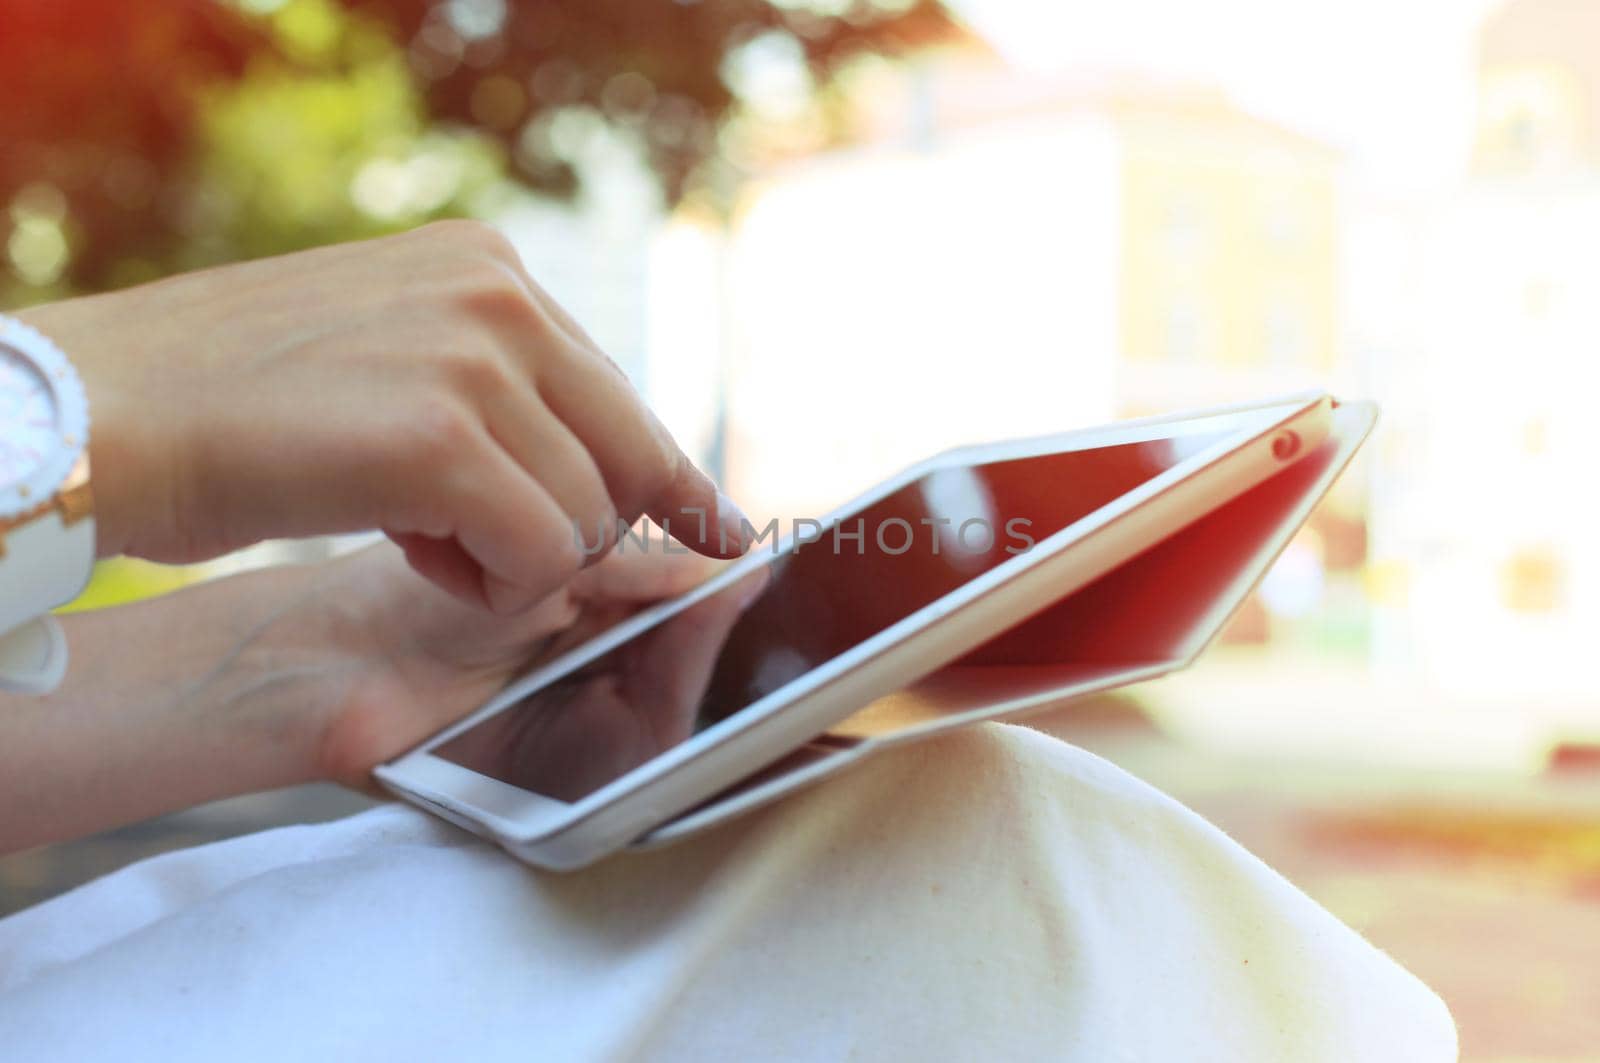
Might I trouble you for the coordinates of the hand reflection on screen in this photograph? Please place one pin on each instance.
(608, 717)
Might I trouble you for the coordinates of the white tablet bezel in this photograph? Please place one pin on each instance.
(1011, 692)
(518, 817)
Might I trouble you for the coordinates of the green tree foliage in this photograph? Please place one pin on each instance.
(141, 138)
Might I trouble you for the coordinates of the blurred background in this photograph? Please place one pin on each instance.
(829, 237)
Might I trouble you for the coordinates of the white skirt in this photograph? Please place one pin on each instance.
(994, 894)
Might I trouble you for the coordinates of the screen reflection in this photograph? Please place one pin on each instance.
(805, 607)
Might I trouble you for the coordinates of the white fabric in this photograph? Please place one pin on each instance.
(994, 894)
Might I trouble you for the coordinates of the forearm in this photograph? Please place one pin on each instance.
(170, 703)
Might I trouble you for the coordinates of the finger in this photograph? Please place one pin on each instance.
(626, 576)
(646, 471)
(519, 536)
(501, 518)
(674, 669)
(442, 562)
(559, 316)
(548, 451)
(643, 467)
(447, 565)
(693, 510)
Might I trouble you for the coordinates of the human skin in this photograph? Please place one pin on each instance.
(277, 677)
(422, 385)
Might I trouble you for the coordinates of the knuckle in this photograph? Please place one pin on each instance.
(476, 372)
(608, 520)
(496, 243)
(651, 470)
(564, 555)
(595, 531)
(610, 365)
(651, 493)
(479, 236)
(438, 434)
(493, 295)
(665, 464)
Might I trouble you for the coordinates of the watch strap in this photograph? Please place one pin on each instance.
(33, 657)
(46, 563)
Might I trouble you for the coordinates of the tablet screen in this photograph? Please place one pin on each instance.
(826, 592)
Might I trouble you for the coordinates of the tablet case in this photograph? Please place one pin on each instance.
(1151, 616)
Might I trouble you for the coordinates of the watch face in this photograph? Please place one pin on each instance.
(44, 419)
(30, 430)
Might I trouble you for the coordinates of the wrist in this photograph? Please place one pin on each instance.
(262, 676)
(131, 457)
(313, 683)
(290, 674)
(208, 693)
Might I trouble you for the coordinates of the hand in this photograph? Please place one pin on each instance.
(278, 677)
(412, 660)
(422, 384)
(614, 713)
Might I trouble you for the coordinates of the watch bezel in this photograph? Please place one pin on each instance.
(38, 487)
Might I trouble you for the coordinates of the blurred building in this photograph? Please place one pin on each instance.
(1487, 526)
(1539, 90)
(994, 254)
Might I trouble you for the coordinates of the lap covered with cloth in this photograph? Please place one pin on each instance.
(991, 894)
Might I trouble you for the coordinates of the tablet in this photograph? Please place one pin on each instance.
(599, 746)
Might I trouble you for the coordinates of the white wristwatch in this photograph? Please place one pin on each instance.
(47, 542)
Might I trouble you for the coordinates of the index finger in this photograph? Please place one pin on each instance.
(644, 469)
